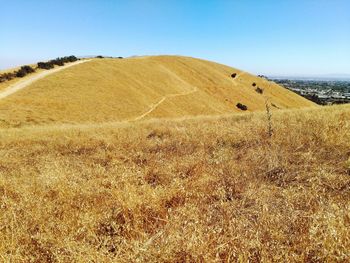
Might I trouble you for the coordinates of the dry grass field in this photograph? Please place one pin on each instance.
(148, 160)
(107, 90)
(200, 189)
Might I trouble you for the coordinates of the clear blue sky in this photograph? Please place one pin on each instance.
(279, 37)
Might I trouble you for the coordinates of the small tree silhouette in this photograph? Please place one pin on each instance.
(241, 106)
(259, 90)
(23, 71)
(45, 65)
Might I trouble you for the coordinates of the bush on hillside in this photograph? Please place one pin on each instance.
(27, 69)
(71, 58)
(23, 71)
(254, 84)
(99, 56)
(45, 65)
(241, 106)
(233, 75)
(66, 59)
(58, 61)
(7, 76)
(120, 57)
(259, 90)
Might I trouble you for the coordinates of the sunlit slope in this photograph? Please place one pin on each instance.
(139, 88)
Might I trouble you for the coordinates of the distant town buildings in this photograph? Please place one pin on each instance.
(321, 92)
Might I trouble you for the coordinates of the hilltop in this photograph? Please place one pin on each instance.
(106, 90)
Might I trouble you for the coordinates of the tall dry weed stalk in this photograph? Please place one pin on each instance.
(269, 118)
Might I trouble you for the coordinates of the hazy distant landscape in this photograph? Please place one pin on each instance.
(322, 91)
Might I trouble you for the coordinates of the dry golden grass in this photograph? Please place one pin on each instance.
(209, 189)
(105, 90)
(6, 84)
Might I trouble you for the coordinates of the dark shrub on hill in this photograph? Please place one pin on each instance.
(241, 106)
(57, 61)
(23, 71)
(233, 75)
(259, 90)
(45, 65)
(7, 76)
(99, 56)
(120, 57)
(71, 59)
(254, 84)
(27, 69)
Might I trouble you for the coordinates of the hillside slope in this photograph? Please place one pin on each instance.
(104, 90)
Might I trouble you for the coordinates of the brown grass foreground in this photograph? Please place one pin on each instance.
(198, 190)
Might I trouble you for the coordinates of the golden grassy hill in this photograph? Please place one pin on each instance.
(249, 187)
(205, 189)
(105, 90)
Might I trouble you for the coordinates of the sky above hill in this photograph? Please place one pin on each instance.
(289, 37)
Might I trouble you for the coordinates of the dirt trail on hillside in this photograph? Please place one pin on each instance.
(26, 82)
(154, 106)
